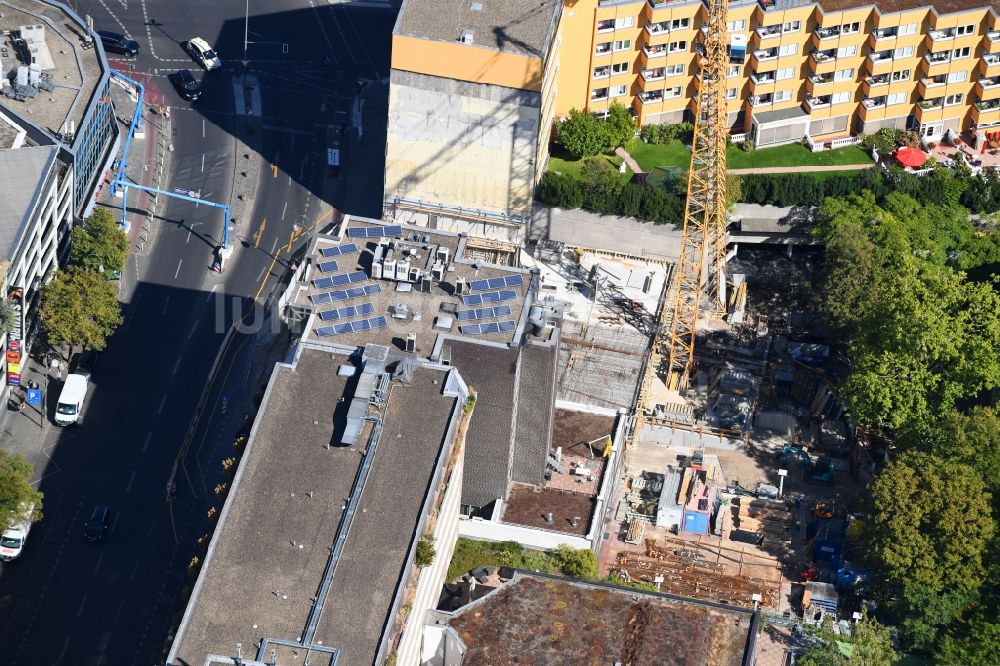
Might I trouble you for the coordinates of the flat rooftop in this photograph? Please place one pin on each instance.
(893, 6)
(76, 71)
(271, 546)
(387, 311)
(537, 619)
(514, 26)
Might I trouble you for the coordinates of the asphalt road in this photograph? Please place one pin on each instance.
(70, 602)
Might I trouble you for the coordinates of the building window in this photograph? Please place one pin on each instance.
(960, 53)
(606, 25)
(952, 100)
(842, 97)
(620, 68)
(731, 93)
(782, 95)
(602, 72)
(678, 24)
(850, 28)
(963, 30)
(904, 52)
(624, 22)
(622, 44)
(599, 93)
(843, 75)
(737, 26)
(898, 98)
(672, 92)
(674, 70)
(847, 51)
(957, 77)
(792, 26)
(674, 47)
(901, 75)
(733, 70)
(788, 49)
(603, 47)
(785, 73)
(907, 30)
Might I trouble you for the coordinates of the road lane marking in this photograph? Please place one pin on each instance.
(203, 160)
(194, 326)
(165, 301)
(114, 523)
(176, 365)
(65, 647)
(275, 246)
(260, 233)
(208, 299)
(136, 567)
(203, 136)
(131, 480)
(162, 402)
(145, 444)
(120, 608)
(262, 271)
(178, 271)
(274, 170)
(99, 558)
(82, 603)
(283, 211)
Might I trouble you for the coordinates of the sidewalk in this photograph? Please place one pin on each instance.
(634, 166)
(21, 430)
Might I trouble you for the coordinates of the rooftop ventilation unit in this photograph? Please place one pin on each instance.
(466, 37)
(476, 6)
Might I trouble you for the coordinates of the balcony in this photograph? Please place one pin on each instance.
(762, 78)
(603, 49)
(768, 31)
(661, 28)
(931, 104)
(651, 97)
(824, 56)
(763, 55)
(828, 33)
(871, 103)
(993, 36)
(885, 34)
(655, 74)
(988, 105)
(819, 102)
(877, 80)
(655, 51)
(991, 60)
(988, 88)
(821, 79)
(937, 58)
(941, 35)
(880, 56)
(607, 25)
(598, 94)
(761, 100)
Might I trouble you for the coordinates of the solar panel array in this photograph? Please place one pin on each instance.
(489, 297)
(497, 283)
(329, 266)
(352, 326)
(375, 232)
(345, 294)
(346, 312)
(337, 250)
(492, 327)
(484, 313)
(339, 280)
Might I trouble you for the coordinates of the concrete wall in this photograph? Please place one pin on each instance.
(461, 144)
(532, 537)
(454, 60)
(609, 233)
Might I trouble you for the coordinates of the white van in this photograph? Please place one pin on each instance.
(13, 538)
(70, 404)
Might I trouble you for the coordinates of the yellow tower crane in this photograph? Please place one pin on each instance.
(703, 244)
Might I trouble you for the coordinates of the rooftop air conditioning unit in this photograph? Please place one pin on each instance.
(466, 37)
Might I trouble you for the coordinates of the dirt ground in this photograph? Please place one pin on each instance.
(572, 430)
(526, 506)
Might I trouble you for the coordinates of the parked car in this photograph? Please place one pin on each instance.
(186, 85)
(118, 43)
(14, 537)
(71, 399)
(97, 526)
(203, 53)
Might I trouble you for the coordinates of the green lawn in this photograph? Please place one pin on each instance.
(571, 168)
(676, 155)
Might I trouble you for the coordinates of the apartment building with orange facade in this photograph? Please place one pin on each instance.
(476, 85)
(824, 70)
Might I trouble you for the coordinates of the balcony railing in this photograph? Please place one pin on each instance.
(991, 82)
(818, 102)
(880, 56)
(768, 31)
(877, 80)
(657, 74)
(823, 56)
(652, 96)
(888, 33)
(992, 59)
(765, 54)
(873, 103)
(941, 35)
(655, 51)
(988, 105)
(658, 28)
(761, 100)
(766, 77)
(820, 79)
(993, 35)
(828, 33)
(937, 58)
(931, 104)
(602, 49)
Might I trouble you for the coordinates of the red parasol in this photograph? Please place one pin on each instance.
(911, 157)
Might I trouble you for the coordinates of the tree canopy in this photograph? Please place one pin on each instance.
(16, 490)
(581, 134)
(870, 644)
(100, 243)
(620, 127)
(80, 308)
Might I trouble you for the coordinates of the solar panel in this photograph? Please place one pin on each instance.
(508, 326)
(489, 297)
(321, 298)
(328, 266)
(472, 329)
(375, 232)
(338, 250)
(484, 313)
(472, 299)
(497, 283)
(345, 294)
(353, 326)
(349, 311)
(339, 280)
(489, 327)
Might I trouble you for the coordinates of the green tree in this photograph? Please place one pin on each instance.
(582, 134)
(101, 243)
(426, 552)
(930, 526)
(978, 647)
(620, 127)
(16, 490)
(870, 644)
(577, 563)
(8, 317)
(80, 309)
(973, 438)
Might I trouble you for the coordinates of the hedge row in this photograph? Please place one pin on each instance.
(611, 197)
